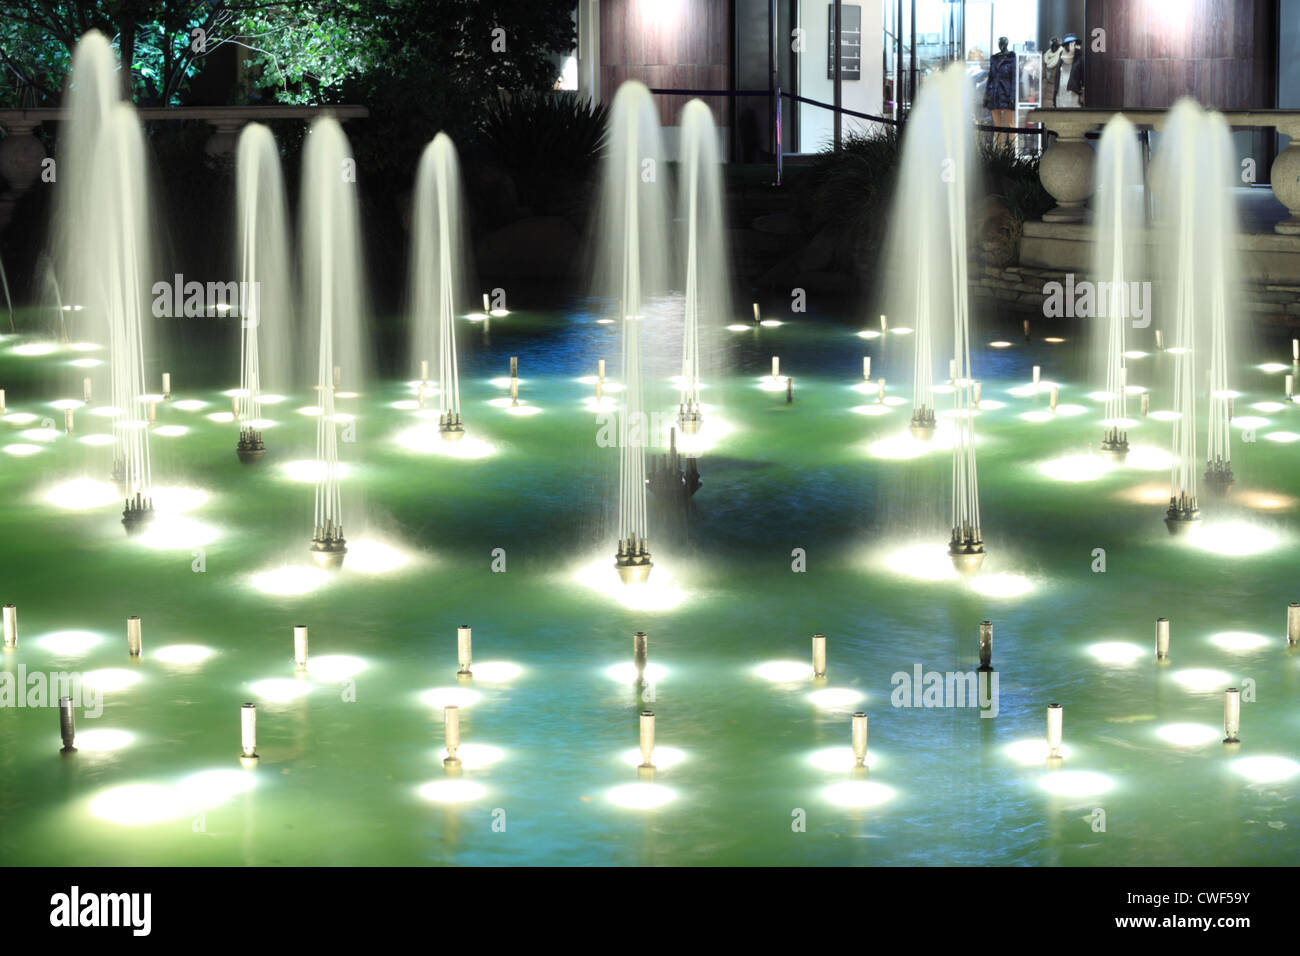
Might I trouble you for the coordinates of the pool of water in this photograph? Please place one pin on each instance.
(797, 529)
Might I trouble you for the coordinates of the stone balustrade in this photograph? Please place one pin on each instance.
(1066, 167)
(22, 153)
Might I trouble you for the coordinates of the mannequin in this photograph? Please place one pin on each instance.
(1000, 91)
(1051, 68)
(1069, 74)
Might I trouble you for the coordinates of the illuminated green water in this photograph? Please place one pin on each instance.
(338, 780)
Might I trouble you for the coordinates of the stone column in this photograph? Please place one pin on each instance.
(21, 155)
(1066, 166)
(1285, 177)
(225, 137)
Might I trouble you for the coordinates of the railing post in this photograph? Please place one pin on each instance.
(779, 150)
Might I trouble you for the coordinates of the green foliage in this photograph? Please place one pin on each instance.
(536, 135)
(1014, 178)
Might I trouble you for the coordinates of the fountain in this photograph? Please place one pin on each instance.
(936, 169)
(1195, 155)
(331, 286)
(1119, 212)
(631, 253)
(264, 271)
(103, 225)
(706, 269)
(437, 272)
(1218, 233)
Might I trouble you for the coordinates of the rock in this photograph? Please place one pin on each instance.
(537, 247)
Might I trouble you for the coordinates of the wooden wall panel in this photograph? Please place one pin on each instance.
(1157, 51)
(679, 44)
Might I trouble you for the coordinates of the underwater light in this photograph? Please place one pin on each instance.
(604, 321)
(858, 794)
(1273, 367)
(171, 431)
(1232, 538)
(1038, 417)
(476, 316)
(903, 446)
(106, 411)
(1067, 410)
(103, 740)
(926, 562)
(20, 418)
(453, 791)
(85, 363)
(1116, 652)
(1035, 751)
(872, 410)
(290, 580)
(1188, 735)
(222, 418)
(1075, 468)
(426, 439)
(178, 499)
(182, 654)
(1284, 437)
(68, 643)
(1202, 679)
(311, 411)
(1149, 458)
(333, 668)
(82, 494)
(97, 440)
(406, 404)
(660, 592)
(1135, 354)
(1268, 406)
(138, 804)
(626, 673)
(784, 672)
(664, 757)
(64, 403)
(189, 405)
(1266, 769)
(523, 410)
(370, 556)
(1000, 344)
(1001, 585)
(771, 323)
(1265, 501)
(280, 690)
(901, 330)
(1239, 641)
(769, 384)
(1053, 340)
(21, 450)
(210, 788)
(641, 796)
(496, 672)
(839, 759)
(475, 756)
(110, 679)
(34, 348)
(443, 697)
(868, 334)
(1076, 783)
(836, 698)
(1166, 415)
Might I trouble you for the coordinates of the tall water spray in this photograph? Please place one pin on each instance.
(118, 220)
(1221, 276)
(632, 254)
(1193, 166)
(1117, 265)
(102, 246)
(94, 88)
(705, 270)
(331, 287)
(265, 281)
(438, 274)
(928, 280)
